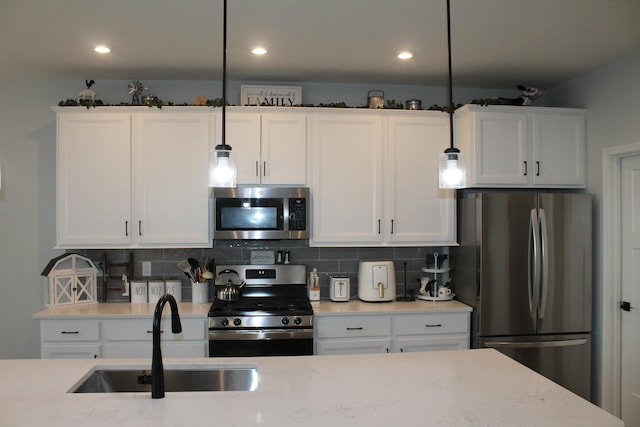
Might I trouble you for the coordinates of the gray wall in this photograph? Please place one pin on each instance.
(610, 94)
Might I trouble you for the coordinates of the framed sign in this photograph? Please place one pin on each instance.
(279, 96)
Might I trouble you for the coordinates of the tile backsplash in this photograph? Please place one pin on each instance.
(328, 261)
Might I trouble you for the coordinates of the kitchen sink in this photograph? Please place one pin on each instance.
(127, 379)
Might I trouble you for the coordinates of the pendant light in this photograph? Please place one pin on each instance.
(222, 165)
(452, 173)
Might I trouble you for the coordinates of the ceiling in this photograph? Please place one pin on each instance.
(496, 43)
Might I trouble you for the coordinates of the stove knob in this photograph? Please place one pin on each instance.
(237, 321)
(224, 322)
(297, 320)
(285, 320)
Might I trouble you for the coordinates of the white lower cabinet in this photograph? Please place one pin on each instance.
(120, 338)
(353, 334)
(429, 332)
(70, 339)
(385, 333)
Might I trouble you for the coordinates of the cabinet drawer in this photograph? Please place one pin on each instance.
(142, 330)
(353, 326)
(439, 323)
(69, 330)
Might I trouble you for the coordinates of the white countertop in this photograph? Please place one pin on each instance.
(118, 309)
(190, 310)
(448, 388)
(355, 306)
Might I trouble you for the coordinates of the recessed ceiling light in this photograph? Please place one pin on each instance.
(259, 51)
(102, 49)
(405, 55)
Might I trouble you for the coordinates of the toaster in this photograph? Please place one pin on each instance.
(376, 281)
(339, 288)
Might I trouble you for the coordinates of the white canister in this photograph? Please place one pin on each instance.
(199, 292)
(138, 291)
(156, 290)
(174, 287)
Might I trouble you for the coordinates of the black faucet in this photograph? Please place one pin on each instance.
(157, 370)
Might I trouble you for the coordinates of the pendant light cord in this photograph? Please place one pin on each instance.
(450, 92)
(224, 73)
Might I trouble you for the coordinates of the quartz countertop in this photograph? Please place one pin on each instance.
(355, 306)
(117, 309)
(447, 388)
(190, 310)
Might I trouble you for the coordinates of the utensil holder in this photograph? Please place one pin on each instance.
(199, 292)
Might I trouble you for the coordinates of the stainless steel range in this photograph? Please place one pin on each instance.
(271, 314)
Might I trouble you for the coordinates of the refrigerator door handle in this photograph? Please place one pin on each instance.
(535, 344)
(544, 247)
(533, 276)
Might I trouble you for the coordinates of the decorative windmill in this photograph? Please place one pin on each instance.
(135, 89)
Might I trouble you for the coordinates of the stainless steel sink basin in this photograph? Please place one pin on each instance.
(122, 379)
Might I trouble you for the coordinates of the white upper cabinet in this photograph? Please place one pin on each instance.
(418, 211)
(510, 146)
(346, 178)
(270, 144)
(133, 179)
(374, 179)
(170, 175)
(93, 179)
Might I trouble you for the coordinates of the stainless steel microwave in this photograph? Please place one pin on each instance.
(261, 213)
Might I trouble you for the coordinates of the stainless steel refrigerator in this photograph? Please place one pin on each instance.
(524, 265)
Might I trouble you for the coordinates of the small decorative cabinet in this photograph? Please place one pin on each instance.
(71, 279)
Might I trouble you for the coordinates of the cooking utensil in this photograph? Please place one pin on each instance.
(375, 101)
(194, 264)
(186, 268)
(229, 292)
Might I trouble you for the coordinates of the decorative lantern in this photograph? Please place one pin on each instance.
(70, 279)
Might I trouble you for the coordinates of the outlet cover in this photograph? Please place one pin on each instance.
(146, 268)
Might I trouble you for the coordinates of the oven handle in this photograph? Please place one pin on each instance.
(264, 334)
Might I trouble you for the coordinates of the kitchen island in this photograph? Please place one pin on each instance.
(446, 388)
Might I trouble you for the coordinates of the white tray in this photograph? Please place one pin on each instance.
(428, 297)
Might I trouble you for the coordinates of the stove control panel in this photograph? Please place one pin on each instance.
(256, 322)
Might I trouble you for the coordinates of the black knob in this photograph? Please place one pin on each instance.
(224, 322)
(297, 320)
(237, 321)
(285, 320)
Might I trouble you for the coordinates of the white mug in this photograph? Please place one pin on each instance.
(444, 292)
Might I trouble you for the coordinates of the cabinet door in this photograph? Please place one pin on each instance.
(243, 135)
(501, 148)
(431, 343)
(170, 178)
(354, 346)
(418, 211)
(284, 149)
(559, 154)
(93, 179)
(346, 156)
(70, 351)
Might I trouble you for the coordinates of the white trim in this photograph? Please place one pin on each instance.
(611, 278)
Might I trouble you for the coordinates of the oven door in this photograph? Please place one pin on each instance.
(263, 342)
(248, 218)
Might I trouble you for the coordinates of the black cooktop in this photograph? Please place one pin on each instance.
(248, 306)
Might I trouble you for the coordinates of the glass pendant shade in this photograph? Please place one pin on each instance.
(222, 167)
(452, 171)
